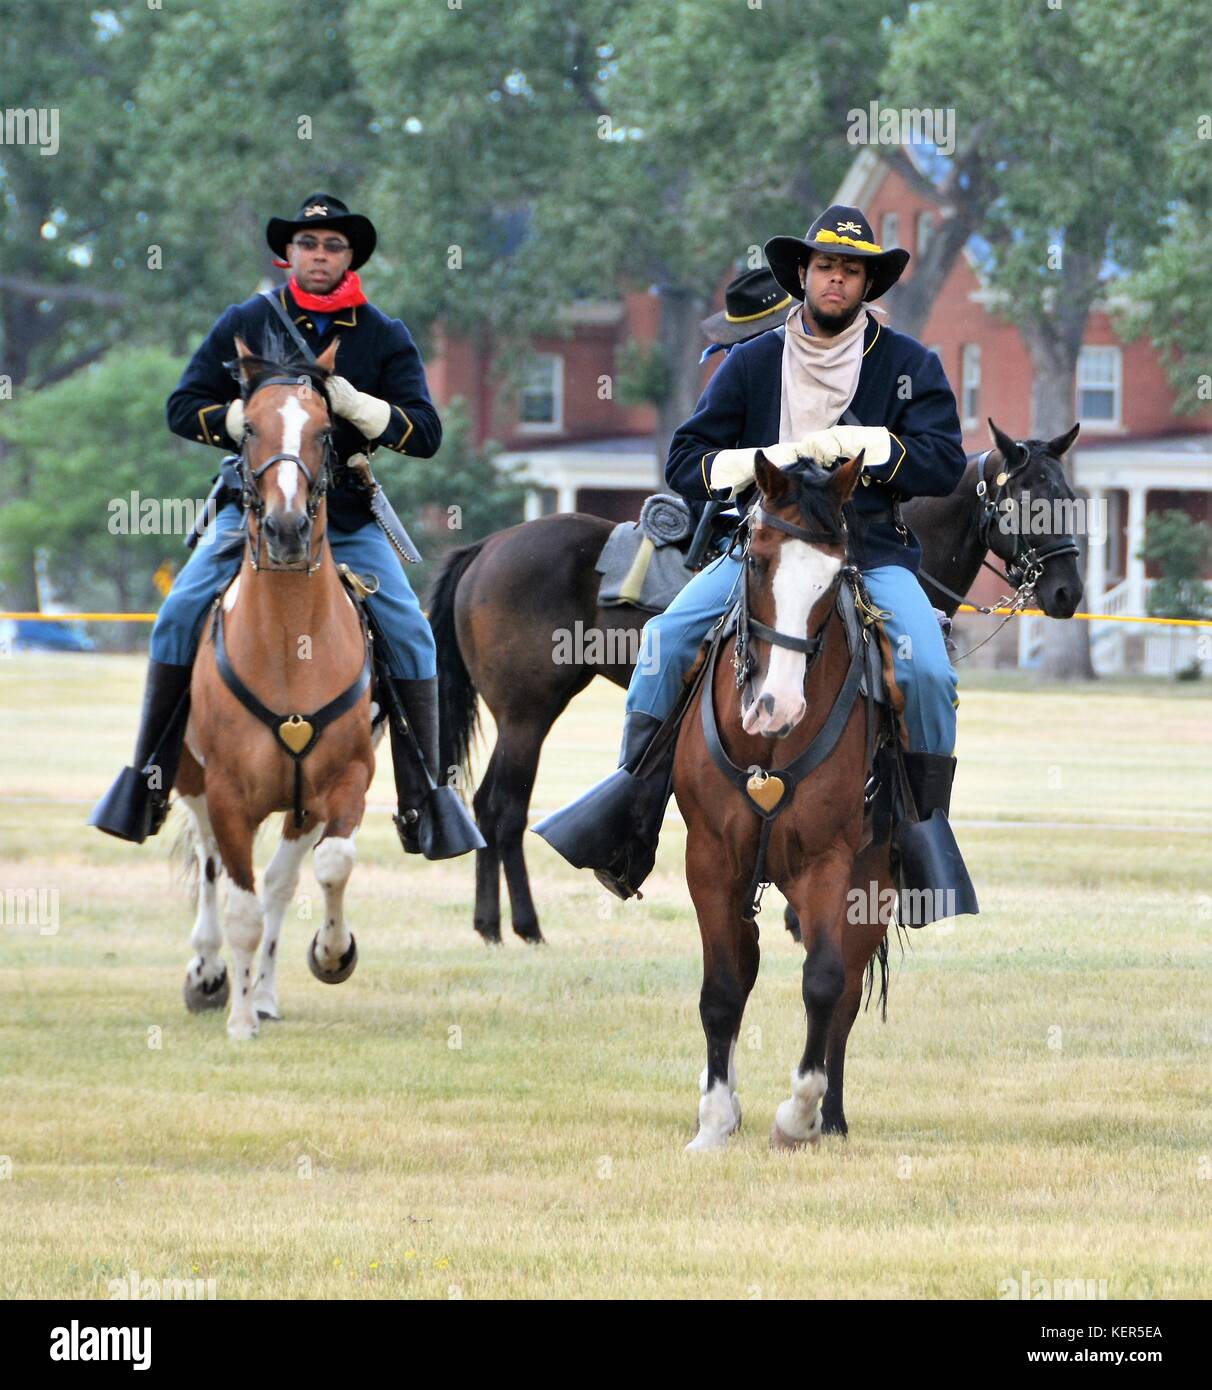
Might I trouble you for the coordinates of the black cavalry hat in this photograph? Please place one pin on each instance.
(323, 210)
(841, 231)
(753, 302)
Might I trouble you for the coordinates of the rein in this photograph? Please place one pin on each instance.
(770, 791)
(747, 626)
(1025, 569)
(317, 484)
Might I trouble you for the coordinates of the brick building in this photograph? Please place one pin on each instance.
(586, 451)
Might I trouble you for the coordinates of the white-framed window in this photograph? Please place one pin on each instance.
(1099, 386)
(925, 230)
(541, 398)
(890, 230)
(970, 384)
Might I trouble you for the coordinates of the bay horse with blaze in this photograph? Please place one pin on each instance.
(279, 707)
(796, 700)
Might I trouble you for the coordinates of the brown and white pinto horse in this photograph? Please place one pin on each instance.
(805, 720)
(292, 637)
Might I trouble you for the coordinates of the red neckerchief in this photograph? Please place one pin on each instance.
(348, 293)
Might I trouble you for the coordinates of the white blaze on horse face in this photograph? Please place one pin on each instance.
(294, 417)
(802, 575)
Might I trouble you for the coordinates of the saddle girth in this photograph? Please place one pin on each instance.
(296, 734)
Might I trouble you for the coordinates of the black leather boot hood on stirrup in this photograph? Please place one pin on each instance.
(926, 858)
(614, 827)
(432, 819)
(137, 803)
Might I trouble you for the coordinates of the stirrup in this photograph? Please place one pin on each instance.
(931, 875)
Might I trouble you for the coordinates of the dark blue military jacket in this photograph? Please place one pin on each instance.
(901, 386)
(377, 355)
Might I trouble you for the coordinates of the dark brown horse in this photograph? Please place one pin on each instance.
(500, 607)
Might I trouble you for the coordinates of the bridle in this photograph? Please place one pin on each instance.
(1025, 567)
(317, 484)
(748, 627)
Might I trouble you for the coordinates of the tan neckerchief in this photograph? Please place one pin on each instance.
(820, 376)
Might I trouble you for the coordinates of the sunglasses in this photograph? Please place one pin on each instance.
(331, 244)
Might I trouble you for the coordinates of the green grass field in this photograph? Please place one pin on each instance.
(459, 1121)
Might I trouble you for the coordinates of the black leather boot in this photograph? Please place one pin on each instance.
(930, 870)
(614, 827)
(137, 803)
(431, 819)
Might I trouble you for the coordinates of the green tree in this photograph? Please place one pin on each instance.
(1064, 127)
(546, 151)
(1170, 297)
(87, 443)
(1179, 547)
(60, 307)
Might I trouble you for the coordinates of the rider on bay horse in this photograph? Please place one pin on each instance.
(787, 392)
(380, 397)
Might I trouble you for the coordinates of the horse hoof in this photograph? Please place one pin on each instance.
(201, 997)
(343, 971)
(532, 936)
(489, 935)
(269, 1011)
(242, 1030)
(779, 1139)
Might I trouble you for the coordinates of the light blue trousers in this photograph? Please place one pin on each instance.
(923, 669)
(411, 654)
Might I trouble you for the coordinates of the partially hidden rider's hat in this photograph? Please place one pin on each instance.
(841, 231)
(753, 302)
(323, 210)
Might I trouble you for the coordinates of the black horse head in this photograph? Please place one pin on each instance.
(1033, 518)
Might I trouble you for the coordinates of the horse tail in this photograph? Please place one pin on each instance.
(183, 855)
(881, 958)
(458, 701)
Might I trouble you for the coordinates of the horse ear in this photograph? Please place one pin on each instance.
(1061, 445)
(770, 478)
(327, 359)
(242, 352)
(1004, 444)
(844, 479)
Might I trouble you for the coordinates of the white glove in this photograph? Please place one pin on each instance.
(233, 421)
(733, 468)
(366, 413)
(847, 442)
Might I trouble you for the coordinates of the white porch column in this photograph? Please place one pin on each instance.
(1096, 549)
(567, 498)
(1134, 566)
(533, 505)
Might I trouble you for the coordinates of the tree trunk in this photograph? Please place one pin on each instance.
(681, 346)
(1054, 342)
(910, 302)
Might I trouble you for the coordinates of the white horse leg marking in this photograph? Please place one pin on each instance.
(207, 935)
(245, 920)
(799, 1118)
(719, 1110)
(334, 861)
(281, 880)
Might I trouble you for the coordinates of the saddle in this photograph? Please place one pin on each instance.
(648, 563)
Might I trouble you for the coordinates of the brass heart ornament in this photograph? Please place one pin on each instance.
(295, 733)
(765, 790)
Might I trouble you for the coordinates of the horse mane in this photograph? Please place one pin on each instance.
(277, 357)
(818, 510)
